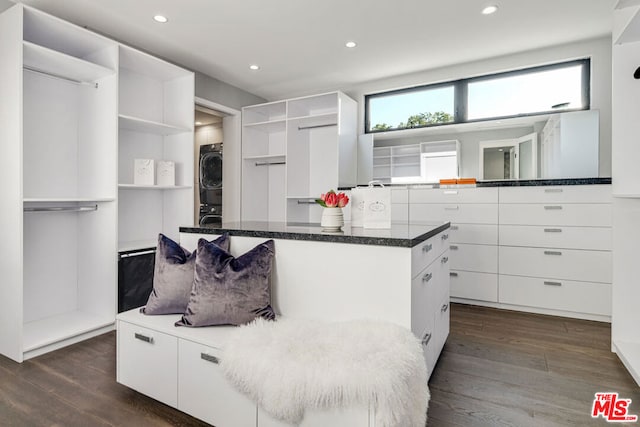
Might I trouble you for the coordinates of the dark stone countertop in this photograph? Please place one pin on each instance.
(506, 183)
(399, 235)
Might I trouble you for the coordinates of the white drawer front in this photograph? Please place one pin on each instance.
(458, 195)
(557, 194)
(567, 264)
(480, 258)
(399, 195)
(424, 298)
(476, 286)
(588, 215)
(148, 362)
(580, 297)
(352, 417)
(203, 391)
(426, 252)
(455, 213)
(594, 238)
(400, 212)
(481, 234)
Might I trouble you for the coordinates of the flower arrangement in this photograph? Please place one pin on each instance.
(331, 199)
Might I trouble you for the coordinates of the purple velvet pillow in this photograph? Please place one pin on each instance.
(173, 276)
(228, 290)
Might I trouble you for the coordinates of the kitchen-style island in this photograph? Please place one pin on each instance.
(399, 274)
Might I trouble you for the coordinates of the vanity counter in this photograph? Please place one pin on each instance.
(399, 235)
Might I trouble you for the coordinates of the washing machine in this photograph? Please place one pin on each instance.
(210, 183)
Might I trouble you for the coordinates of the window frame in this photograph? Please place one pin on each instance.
(460, 91)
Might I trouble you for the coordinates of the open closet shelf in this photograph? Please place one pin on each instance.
(153, 187)
(49, 330)
(142, 125)
(41, 59)
(315, 121)
(268, 126)
(134, 245)
(67, 199)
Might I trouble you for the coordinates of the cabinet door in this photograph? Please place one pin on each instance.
(203, 391)
(148, 362)
(424, 294)
(480, 258)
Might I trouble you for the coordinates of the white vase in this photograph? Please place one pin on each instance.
(332, 219)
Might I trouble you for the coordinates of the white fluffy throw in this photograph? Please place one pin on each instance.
(289, 366)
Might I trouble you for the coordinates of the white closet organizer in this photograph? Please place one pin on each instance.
(293, 151)
(155, 122)
(58, 131)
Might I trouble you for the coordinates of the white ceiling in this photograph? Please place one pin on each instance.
(299, 44)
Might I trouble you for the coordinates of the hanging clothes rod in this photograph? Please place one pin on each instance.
(62, 209)
(317, 126)
(270, 163)
(58, 76)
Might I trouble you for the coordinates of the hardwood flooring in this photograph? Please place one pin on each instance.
(498, 368)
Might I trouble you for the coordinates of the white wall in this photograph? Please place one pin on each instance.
(599, 50)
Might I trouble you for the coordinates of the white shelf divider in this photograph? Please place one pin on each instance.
(268, 126)
(142, 125)
(67, 200)
(266, 157)
(41, 59)
(153, 187)
(133, 245)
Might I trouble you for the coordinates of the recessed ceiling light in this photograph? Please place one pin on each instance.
(489, 10)
(160, 18)
(500, 149)
(351, 44)
(198, 123)
(254, 67)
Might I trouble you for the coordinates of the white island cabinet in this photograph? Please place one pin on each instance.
(400, 275)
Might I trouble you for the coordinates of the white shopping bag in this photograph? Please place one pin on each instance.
(377, 206)
(357, 206)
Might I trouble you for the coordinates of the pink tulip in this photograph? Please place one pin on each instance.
(343, 200)
(331, 200)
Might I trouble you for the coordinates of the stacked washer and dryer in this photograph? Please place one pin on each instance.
(210, 183)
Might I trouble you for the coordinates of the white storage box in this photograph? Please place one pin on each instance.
(166, 175)
(144, 172)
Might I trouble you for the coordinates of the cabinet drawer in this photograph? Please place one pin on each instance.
(337, 417)
(426, 252)
(594, 238)
(476, 286)
(557, 194)
(580, 297)
(203, 391)
(148, 362)
(589, 215)
(481, 234)
(480, 258)
(457, 195)
(567, 264)
(424, 298)
(456, 213)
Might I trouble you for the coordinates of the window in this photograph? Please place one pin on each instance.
(538, 90)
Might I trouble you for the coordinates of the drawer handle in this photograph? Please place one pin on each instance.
(426, 339)
(445, 237)
(144, 338)
(209, 358)
(445, 259)
(451, 208)
(553, 230)
(453, 228)
(553, 190)
(453, 274)
(552, 283)
(450, 192)
(444, 308)
(453, 247)
(553, 208)
(552, 253)
(427, 248)
(427, 277)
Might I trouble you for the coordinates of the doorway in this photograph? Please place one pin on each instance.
(509, 158)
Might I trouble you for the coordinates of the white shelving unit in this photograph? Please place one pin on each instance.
(155, 122)
(625, 335)
(58, 130)
(294, 150)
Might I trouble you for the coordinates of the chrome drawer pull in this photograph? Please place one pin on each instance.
(445, 237)
(553, 230)
(451, 208)
(144, 338)
(453, 274)
(553, 208)
(426, 339)
(453, 247)
(552, 253)
(553, 190)
(453, 228)
(427, 248)
(552, 283)
(209, 358)
(445, 259)
(450, 192)
(444, 308)
(427, 277)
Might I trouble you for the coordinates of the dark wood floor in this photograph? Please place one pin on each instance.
(498, 368)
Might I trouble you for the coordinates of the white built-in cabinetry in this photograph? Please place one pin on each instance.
(155, 115)
(58, 130)
(294, 150)
(625, 334)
